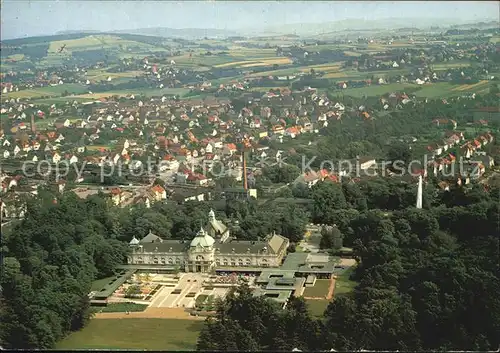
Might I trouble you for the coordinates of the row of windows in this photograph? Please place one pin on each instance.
(225, 262)
(163, 261)
(240, 262)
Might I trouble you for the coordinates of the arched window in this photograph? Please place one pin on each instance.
(225, 262)
(240, 262)
(155, 260)
(163, 260)
(199, 258)
(248, 262)
(140, 260)
(170, 261)
(177, 260)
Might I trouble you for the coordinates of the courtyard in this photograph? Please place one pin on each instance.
(171, 290)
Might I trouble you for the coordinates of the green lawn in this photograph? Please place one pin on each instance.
(343, 285)
(148, 92)
(317, 307)
(446, 89)
(376, 90)
(320, 289)
(148, 334)
(48, 91)
(122, 307)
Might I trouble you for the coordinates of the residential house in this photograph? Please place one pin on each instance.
(56, 157)
(158, 193)
(197, 179)
(309, 179)
(278, 130)
(12, 207)
(62, 123)
(185, 195)
(116, 196)
(292, 132)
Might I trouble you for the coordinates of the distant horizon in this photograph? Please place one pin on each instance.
(22, 19)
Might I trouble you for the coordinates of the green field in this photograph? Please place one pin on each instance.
(149, 334)
(320, 289)
(121, 308)
(317, 307)
(93, 42)
(375, 90)
(343, 285)
(450, 65)
(54, 91)
(446, 89)
(148, 92)
(434, 90)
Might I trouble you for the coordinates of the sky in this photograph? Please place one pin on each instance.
(22, 18)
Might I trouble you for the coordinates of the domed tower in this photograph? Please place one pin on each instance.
(211, 216)
(201, 253)
(134, 241)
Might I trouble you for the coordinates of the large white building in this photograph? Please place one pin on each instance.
(212, 248)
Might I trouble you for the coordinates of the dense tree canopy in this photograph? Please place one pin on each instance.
(427, 279)
(51, 258)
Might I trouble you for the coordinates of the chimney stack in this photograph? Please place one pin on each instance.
(245, 179)
(33, 126)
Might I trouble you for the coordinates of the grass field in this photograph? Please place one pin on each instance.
(122, 307)
(92, 42)
(450, 65)
(343, 285)
(471, 87)
(376, 90)
(326, 68)
(317, 307)
(320, 289)
(48, 91)
(257, 62)
(149, 334)
(148, 92)
(95, 148)
(446, 89)
(103, 75)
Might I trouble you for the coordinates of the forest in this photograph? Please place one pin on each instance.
(50, 259)
(428, 279)
(420, 272)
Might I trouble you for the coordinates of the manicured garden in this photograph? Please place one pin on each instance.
(149, 334)
(205, 302)
(320, 289)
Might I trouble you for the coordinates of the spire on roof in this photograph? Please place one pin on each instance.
(134, 241)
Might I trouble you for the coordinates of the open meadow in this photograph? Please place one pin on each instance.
(149, 334)
(94, 42)
(52, 91)
(89, 97)
(375, 90)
